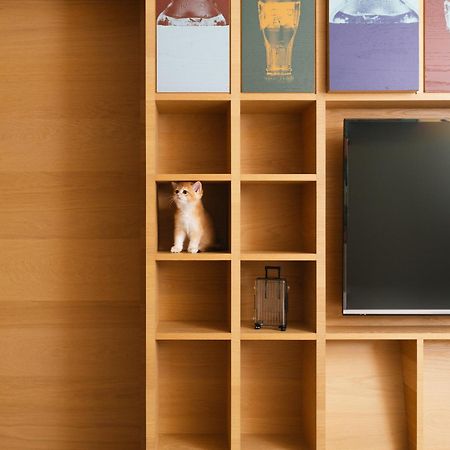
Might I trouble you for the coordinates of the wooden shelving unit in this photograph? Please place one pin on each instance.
(272, 165)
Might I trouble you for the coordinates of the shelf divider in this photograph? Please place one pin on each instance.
(419, 393)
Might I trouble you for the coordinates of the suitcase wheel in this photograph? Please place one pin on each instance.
(257, 326)
(282, 328)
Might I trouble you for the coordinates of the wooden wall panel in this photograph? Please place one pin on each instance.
(436, 395)
(71, 218)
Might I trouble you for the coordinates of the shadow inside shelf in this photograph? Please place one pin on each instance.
(216, 200)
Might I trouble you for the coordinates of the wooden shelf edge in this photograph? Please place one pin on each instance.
(387, 335)
(278, 96)
(375, 97)
(295, 331)
(282, 178)
(191, 177)
(278, 256)
(193, 336)
(387, 101)
(191, 96)
(184, 256)
(280, 336)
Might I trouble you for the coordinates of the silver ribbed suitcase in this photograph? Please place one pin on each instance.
(271, 300)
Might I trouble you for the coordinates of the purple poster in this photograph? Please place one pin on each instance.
(373, 45)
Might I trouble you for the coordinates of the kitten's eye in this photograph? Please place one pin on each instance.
(176, 191)
(185, 192)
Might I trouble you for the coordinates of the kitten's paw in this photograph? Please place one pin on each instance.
(176, 249)
(193, 249)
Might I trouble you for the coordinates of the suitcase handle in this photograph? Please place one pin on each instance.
(277, 268)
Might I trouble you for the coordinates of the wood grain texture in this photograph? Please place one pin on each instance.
(194, 142)
(71, 310)
(193, 387)
(70, 270)
(273, 141)
(69, 81)
(272, 442)
(409, 360)
(278, 217)
(192, 442)
(365, 403)
(83, 205)
(436, 395)
(190, 291)
(278, 390)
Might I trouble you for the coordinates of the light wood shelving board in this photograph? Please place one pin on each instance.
(72, 289)
(329, 382)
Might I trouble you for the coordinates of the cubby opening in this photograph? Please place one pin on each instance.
(278, 217)
(337, 111)
(371, 395)
(216, 200)
(278, 395)
(193, 296)
(193, 395)
(301, 279)
(436, 395)
(278, 137)
(193, 137)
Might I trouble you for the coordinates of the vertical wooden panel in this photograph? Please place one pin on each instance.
(71, 328)
(436, 391)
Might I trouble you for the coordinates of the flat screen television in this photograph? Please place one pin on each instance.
(396, 217)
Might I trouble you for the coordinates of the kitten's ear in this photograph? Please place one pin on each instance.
(174, 185)
(197, 186)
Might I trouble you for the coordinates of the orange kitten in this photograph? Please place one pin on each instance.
(191, 218)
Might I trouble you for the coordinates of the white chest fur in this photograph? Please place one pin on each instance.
(189, 222)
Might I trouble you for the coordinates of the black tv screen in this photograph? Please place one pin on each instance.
(396, 217)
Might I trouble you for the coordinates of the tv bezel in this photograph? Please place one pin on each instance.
(372, 312)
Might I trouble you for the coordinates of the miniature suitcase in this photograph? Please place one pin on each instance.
(271, 300)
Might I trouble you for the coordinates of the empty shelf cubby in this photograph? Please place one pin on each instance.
(301, 279)
(216, 200)
(278, 399)
(371, 395)
(278, 137)
(278, 217)
(193, 136)
(193, 296)
(193, 395)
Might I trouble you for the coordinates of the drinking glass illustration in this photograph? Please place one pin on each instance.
(375, 11)
(447, 13)
(279, 21)
(197, 13)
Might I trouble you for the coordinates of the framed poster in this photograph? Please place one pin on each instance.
(373, 45)
(193, 42)
(437, 45)
(278, 45)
